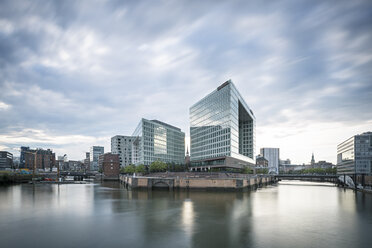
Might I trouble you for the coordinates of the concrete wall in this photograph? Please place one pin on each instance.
(195, 183)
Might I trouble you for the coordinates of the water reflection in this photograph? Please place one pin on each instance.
(286, 215)
(188, 216)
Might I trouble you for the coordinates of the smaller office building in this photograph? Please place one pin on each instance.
(354, 155)
(155, 140)
(95, 152)
(272, 156)
(6, 160)
(122, 145)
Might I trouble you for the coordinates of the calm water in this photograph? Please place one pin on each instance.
(291, 214)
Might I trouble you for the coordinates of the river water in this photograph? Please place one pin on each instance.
(289, 214)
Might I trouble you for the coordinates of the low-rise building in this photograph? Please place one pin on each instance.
(261, 162)
(354, 155)
(6, 160)
(110, 165)
(44, 159)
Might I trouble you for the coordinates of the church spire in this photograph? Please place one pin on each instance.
(312, 159)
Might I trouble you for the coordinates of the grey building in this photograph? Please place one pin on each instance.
(272, 155)
(222, 130)
(6, 160)
(354, 155)
(156, 140)
(122, 145)
(95, 151)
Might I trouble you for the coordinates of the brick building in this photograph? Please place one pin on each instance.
(45, 159)
(110, 165)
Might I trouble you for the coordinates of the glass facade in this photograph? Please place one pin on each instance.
(154, 140)
(355, 155)
(221, 125)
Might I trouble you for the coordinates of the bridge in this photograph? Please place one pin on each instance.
(307, 177)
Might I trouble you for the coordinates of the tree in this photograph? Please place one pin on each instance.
(140, 169)
(158, 166)
(247, 170)
(130, 169)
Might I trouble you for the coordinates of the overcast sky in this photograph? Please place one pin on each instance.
(75, 73)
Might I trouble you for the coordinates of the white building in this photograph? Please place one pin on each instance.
(272, 155)
(122, 145)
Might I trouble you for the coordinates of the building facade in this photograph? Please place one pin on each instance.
(261, 162)
(155, 140)
(222, 130)
(272, 155)
(44, 159)
(6, 160)
(122, 145)
(354, 155)
(95, 152)
(110, 165)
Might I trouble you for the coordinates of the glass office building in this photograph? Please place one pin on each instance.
(155, 140)
(222, 130)
(354, 155)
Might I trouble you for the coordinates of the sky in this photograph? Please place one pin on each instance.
(75, 73)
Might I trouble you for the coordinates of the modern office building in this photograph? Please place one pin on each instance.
(156, 140)
(6, 160)
(354, 155)
(122, 145)
(95, 151)
(272, 155)
(222, 130)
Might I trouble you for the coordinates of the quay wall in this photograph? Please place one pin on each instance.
(196, 183)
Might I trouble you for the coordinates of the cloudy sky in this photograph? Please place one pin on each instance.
(75, 73)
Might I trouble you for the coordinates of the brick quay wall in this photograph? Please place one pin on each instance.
(206, 181)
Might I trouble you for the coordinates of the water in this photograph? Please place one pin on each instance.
(290, 214)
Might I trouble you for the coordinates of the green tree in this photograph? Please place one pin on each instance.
(158, 166)
(140, 169)
(247, 170)
(130, 169)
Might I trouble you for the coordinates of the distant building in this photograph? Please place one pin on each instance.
(354, 155)
(22, 160)
(323, 165)
(312, 163)
(261, 162)
(187, 158)
(272, 155)
(222, 130)
(156, 140)
(87, 161)
(45, 159)
(6, 160)
(110, 165)
(122, 145)
(95, 152)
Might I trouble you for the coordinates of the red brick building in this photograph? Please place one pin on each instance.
(110, 165)
(45, 159)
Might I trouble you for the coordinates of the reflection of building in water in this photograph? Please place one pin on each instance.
(222, 130)
(155, 140)
(354, 155)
